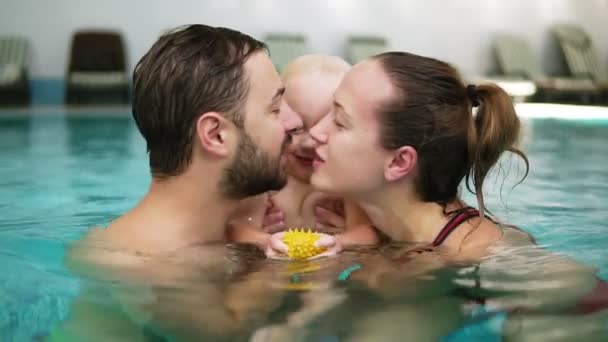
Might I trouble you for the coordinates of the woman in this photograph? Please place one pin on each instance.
(412, 120)
(403, 134)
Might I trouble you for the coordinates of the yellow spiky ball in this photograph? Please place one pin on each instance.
(301, 243)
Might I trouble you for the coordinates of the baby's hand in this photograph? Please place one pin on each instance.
(276, 248)
(330, 243)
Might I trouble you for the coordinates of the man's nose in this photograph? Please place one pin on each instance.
(290, 119)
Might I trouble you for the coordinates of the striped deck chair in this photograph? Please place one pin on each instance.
(97, 69)
(580, 54)
(285, 47)
(359, 48)
(516, 59)
(14, 82)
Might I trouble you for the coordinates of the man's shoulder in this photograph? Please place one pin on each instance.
(97, 250)
(107, 261)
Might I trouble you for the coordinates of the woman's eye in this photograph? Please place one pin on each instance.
(338, 124)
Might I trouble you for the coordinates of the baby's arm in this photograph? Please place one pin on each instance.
(245, 225)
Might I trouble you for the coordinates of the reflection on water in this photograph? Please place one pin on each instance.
(231, 294)
(61, 175)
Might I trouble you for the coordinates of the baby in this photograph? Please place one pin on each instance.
(309, 85)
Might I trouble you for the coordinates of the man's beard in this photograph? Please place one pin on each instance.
(253, 171)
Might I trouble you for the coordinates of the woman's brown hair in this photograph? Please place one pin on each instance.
(458, 131)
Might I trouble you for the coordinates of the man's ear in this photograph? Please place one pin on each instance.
(400, 163)
(212, 131)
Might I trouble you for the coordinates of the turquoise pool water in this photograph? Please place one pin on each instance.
(61, 173)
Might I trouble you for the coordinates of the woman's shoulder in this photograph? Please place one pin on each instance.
(513, 235)
(488, 235)
(518, 247)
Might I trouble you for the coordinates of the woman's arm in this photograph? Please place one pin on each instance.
(359, 229)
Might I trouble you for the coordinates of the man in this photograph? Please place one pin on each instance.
(207, 101)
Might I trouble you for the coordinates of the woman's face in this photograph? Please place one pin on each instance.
(350, 160)
(311, 97)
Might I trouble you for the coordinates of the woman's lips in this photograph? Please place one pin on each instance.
(317, 161)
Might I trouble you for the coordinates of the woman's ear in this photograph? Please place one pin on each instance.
(401, 162)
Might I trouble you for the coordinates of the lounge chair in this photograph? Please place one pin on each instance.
(359, 48)
(97, 70)
(516, 60)
(580, 54)
(14, 81)
(285, 47)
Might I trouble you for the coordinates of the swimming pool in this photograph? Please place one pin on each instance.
(62, 172)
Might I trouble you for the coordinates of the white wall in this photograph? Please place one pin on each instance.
(459, 31)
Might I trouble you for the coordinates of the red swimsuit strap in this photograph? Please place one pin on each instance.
(461, 216)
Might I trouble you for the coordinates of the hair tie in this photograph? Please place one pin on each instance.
(473, 95)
